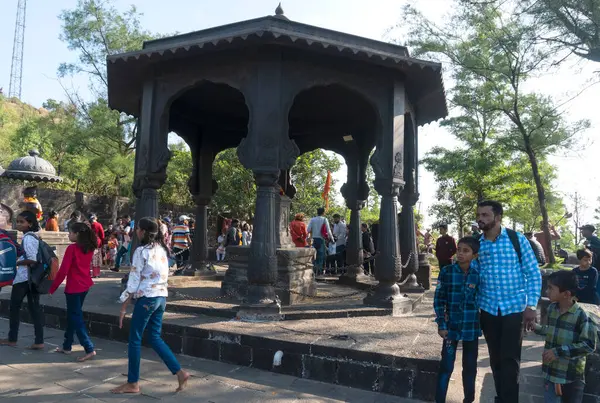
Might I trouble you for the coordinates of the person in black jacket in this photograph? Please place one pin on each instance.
(587, 278)
(368, 248)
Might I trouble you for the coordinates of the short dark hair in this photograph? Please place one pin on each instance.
(471, 242)
(444, 226)
(496, 206)
(581, 253)
(364, 225)
(320, 211)
(565, 280)
(31, 218)
(336, 215)
(528, 234)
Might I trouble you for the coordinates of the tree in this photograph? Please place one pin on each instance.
(309, 174)
(494, 51)
(570, 24)
(579, 209)
(95, 29)
(236, 194)
(175, 189)
(454, 206)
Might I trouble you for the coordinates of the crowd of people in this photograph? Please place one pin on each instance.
(146, 286)
(329, 240)
(489, 284)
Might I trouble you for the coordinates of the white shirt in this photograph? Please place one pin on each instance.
(149, 273)
(30, 247)
(126, 237)
(340, 233)
(314, 227)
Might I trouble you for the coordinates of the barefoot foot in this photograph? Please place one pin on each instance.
(182, 378)
(126, 388)
(62, 351)
(6, 342)
(86, 357)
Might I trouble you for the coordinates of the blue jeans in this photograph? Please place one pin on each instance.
(75, 323)
(148, 313)
(571, 392)
(120, 254)
(469, 362)
(319, 245)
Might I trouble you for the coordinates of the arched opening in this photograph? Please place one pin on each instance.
(343, 121)
(336, 119)
(332, 117)
(210, 113)
(203, 119)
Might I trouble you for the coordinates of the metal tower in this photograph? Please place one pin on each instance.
(16, 67)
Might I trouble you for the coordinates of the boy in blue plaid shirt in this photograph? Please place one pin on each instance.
(457, 316)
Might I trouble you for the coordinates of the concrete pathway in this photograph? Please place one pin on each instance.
(47, 377)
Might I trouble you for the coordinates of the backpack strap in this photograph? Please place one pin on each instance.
(514, 239)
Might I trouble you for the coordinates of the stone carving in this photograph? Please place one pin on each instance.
(398, 165)
(162, 160)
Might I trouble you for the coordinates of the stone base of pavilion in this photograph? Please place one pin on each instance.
(295, 281)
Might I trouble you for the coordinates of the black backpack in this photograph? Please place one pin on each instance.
(42, 274)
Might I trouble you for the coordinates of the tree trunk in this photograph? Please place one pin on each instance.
(542, 201)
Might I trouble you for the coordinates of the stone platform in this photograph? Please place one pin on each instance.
(393, 355)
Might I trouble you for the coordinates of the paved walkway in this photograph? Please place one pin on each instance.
(47, 377)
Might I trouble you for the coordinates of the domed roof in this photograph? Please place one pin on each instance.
(31, 168)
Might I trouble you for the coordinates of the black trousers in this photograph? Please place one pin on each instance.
(504, 337)
(19, 291)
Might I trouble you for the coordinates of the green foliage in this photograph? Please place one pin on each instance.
(309, 174)
(237, 192)
(493, 52)
(567, 24)
(175, 189)
(95, 29)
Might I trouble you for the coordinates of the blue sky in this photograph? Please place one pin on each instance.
(44, 52)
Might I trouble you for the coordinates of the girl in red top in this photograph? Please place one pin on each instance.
(75, 267)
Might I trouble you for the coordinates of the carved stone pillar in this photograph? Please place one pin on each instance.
(267, 149)
(355, 192)
(387, 163)
(152, 153)
(408, 244)
(202, 187)
(262, 261)
(408, 199)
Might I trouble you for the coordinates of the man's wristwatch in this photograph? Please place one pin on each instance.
(533, 308)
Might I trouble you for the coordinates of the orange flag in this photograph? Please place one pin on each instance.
(325, 194)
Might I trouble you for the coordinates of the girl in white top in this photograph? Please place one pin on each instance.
(147, 286)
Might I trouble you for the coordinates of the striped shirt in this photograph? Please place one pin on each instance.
(455, 302)
(572, 336)
(507, 285)
(180, 236)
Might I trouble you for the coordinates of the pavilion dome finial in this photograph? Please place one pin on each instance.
(279, 12)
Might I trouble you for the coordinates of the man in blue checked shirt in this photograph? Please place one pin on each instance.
(509, 293)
